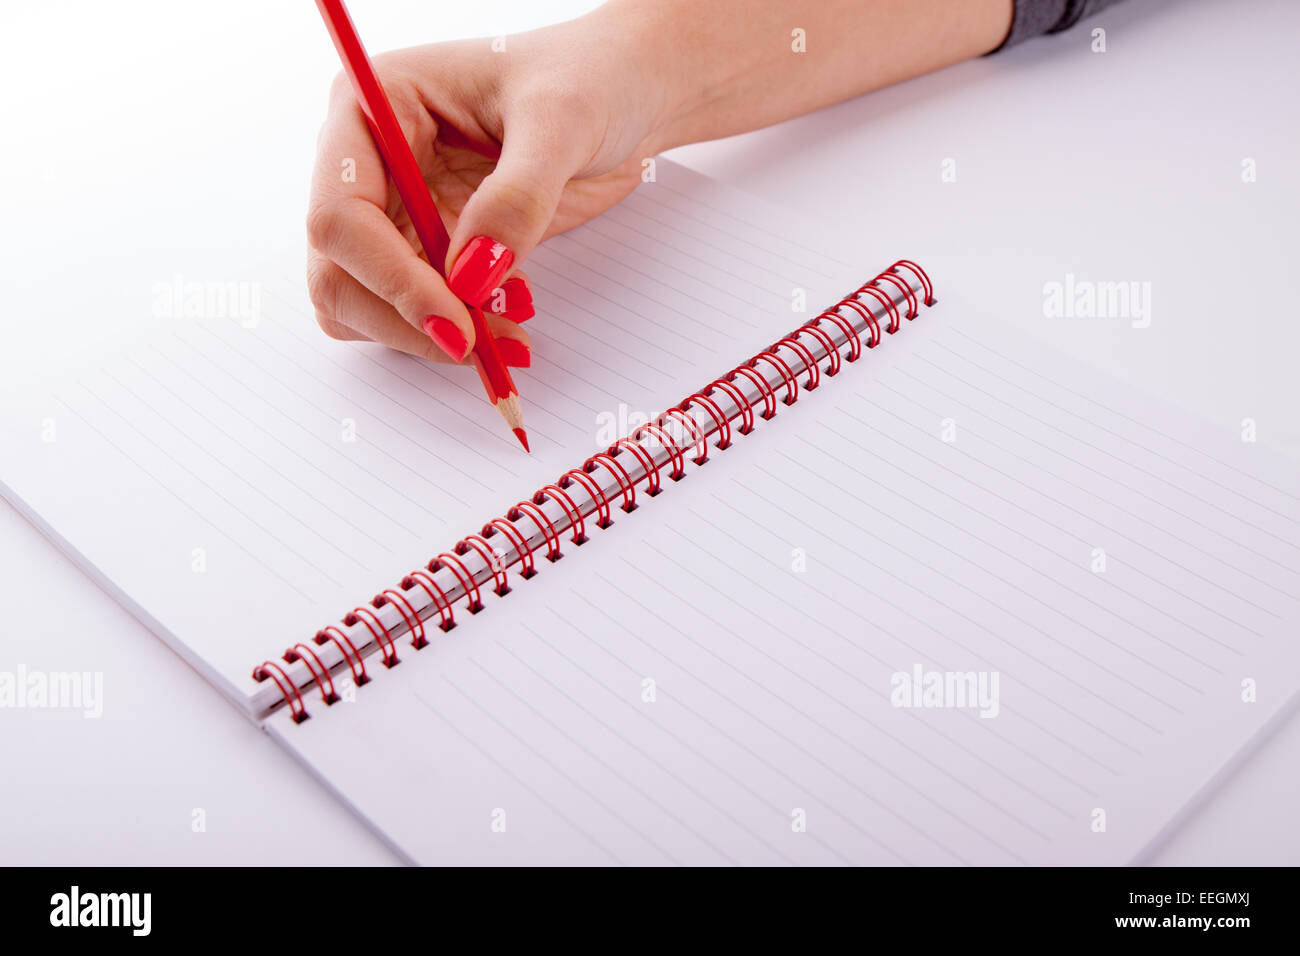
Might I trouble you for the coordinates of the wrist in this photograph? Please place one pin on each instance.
(666, 62)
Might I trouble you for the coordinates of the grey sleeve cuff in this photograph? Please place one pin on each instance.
(1035, 17)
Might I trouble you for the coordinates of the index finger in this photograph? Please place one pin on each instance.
(348, 223)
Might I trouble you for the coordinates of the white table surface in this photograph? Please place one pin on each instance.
(1068, 161)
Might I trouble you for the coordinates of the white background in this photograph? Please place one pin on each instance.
(183, 135)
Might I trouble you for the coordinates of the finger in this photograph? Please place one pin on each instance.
(513, 299)
(347, 223)
(344, 303)
(348, 310)
(322, 278)
(513, 343)
(511, 209)
(340, 332)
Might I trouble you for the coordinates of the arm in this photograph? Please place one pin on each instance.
(521, 143)
(736, 68)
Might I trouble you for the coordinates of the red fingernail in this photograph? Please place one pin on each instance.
(515, 353)
(448, 336)
(479, 268)
(521, 314)
(512, 295)
(517, 292)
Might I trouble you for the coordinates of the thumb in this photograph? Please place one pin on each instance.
(510, 211)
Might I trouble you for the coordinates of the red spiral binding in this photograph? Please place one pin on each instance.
(833, 368)
(592, 487)
(769, 396)
(625, 483)
(413, 623)
(635, 445)
(862, 310)
(562, 497)
(675, 456)
(474, 602)
(446, 616)
(323, 679)
(917, 271)
(890, 308)
(517, 540)
(341, 641)
(287, 688)
(538, 517)
(743, 404)
(793, 344)
(850, 333)
(490, 556)
(701, 441)
(787, 376)
(646, 460)
(371, 620)
(719, 419)
(907, 292)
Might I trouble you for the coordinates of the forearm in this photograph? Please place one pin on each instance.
(729, 66)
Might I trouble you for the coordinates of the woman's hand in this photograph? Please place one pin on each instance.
(516, 145)
(533, 139)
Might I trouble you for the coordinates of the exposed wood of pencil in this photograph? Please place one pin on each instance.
(512, 411)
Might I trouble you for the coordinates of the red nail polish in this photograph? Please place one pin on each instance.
(479, 268)
(517, 292)
(521, 314)
(509, 296)
(515, 353)
(448, 336)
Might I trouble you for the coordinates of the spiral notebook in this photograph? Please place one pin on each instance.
(902, 588)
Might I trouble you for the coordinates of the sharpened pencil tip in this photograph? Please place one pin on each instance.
(523, 439)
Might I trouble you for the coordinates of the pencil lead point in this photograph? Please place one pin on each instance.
(523, 439)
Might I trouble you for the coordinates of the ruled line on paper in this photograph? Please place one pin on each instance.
(304, 429)
(215, 491)
(673, 353)
(1128, 418)
(556, 768)
(543, 718)
(1096, 604)
(821, 690)
(874, 690)
(188, 504)
(469, 413)
(694, 200)
(366, 498)
(761, 802)
(561, 272)
(380, 419)
(487, 754)
(846, 816)
(211, 424)
(587, 355)
(1110, 672)
(1206, 502)
(930, 626)
(469, 449)
(710, 280)
(728, 251)
(913, 401)
(820, 725)
(1019, 506)
(696, 315)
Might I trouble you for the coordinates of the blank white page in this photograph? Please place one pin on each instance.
(239, 481)
(711, 680)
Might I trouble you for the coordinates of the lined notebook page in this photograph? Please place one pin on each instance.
(712, 680)
(239, 481)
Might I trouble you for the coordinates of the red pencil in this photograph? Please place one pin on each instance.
(401, 164)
